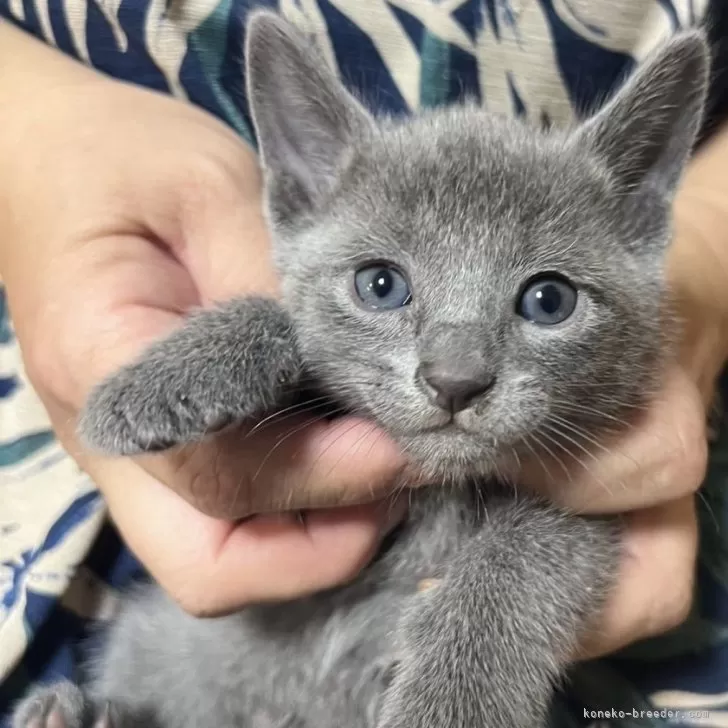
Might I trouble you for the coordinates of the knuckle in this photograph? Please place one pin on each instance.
(195, 599)
(672, 604)
(233, 489)
(206, 476)
(209, 181)
(47, 370)
(692, 462)
(51, 358)
(675, 609)
(38, 355)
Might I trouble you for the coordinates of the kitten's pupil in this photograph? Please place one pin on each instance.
(550, 298)
(382, 283)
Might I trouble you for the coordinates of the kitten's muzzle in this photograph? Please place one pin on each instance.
(454, 385)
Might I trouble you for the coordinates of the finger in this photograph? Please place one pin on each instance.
(654, 589)
(302, 465)
(662, 458)
(212, 567)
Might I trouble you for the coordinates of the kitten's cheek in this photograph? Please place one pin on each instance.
(654, 590)
(662, 459)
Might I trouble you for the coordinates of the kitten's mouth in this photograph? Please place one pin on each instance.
(451, 449)
(447, 428)
(448, 435)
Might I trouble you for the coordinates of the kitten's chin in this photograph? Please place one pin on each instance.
(453, 455)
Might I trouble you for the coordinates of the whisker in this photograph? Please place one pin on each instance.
(281, 440)
(709, 508)
(292, 409)
(579, 461)
(320, 408)
(354, 449)
(539, 459)
(553, 455)
(325, 450)
(581, 433)
(573, 407)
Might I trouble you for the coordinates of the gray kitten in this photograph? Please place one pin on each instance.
(484, 291)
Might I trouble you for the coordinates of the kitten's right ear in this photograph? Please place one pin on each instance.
(305, 119)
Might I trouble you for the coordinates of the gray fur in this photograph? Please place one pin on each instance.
(227, 364)
(471, 207)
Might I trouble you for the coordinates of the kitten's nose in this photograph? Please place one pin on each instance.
(455, 385)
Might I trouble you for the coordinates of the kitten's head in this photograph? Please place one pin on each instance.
(474, 285)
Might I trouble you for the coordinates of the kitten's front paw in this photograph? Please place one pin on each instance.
(135, 412)
(62, 706)
(223, 365)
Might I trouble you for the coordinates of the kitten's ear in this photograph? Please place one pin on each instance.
(646, 132)
(305, 119)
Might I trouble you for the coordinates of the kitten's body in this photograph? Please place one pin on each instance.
(473, 210)
(327, 661)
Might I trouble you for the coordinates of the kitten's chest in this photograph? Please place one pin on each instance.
(440, 521)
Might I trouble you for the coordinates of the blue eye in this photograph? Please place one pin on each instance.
(547, 301)
(382, 286)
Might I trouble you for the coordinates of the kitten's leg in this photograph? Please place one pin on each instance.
(223, 365)
(65, 706)
(486, 646)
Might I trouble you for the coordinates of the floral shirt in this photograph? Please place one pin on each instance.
(62, 566)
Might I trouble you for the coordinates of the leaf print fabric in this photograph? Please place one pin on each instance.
(62, 564)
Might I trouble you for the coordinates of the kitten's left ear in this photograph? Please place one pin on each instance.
(646, 132)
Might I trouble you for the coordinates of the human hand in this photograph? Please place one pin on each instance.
(651, 473)
(124, 209)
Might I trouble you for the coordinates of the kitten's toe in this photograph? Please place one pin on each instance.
(138, 411)
(59, 706)
(118, 419)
